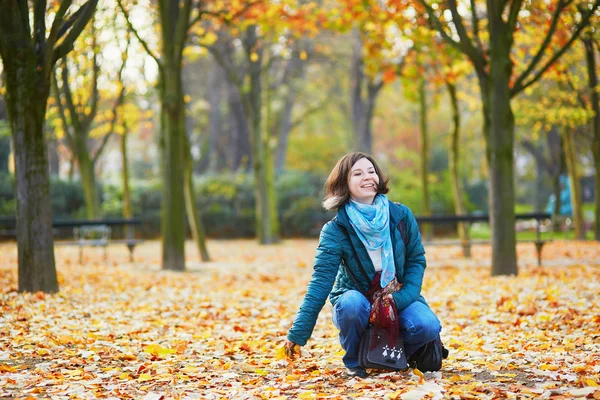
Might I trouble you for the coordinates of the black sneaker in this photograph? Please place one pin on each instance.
(358, 372)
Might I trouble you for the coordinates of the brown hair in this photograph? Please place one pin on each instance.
(337, 192)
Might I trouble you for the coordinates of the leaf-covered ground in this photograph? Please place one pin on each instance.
(121, 330)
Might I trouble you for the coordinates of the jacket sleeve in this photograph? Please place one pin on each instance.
(414, 267)
(327, 262)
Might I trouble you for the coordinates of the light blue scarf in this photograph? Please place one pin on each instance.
(371, 223)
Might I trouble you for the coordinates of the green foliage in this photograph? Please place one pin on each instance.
(405, 187)
(8, 203)
(66, 199)
(226, 201)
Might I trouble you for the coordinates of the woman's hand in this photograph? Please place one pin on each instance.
(291, 349)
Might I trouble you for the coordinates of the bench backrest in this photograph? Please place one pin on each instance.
(91, 232)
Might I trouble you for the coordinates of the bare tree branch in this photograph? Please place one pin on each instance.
(61, 111)
(39, 26)
(182, 29)
(80, 23)
(138, 37)
(88, 119)
(55, 29)
(475, 19)
(513, 17)
(438, 26)
(466, 43)
(75, 121)
(118, 102)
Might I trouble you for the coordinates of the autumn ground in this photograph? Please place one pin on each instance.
(125, 330)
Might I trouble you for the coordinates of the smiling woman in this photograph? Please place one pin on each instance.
(370, 262)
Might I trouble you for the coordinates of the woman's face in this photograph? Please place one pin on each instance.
(363, 181)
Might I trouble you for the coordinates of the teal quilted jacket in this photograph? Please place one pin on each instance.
(331, 278)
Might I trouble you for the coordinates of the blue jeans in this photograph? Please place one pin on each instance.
(418, 324)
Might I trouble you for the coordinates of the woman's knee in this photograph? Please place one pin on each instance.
(352, 306)
(423, 324)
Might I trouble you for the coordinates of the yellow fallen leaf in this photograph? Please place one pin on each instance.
(158, 350)
(124, 375)
(280, 353)
(260, 372)
(307, 395)
(591, 382)
(395, 395)
(549, 367)
(144, 377)
(420, 374)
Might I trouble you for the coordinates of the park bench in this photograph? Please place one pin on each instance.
(538, 241)
(94, 233)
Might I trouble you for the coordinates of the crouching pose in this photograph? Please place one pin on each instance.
(381, 238)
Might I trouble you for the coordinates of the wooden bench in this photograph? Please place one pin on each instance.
(539, 242)
(88, 233)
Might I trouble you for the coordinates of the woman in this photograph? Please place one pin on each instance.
(368, 225)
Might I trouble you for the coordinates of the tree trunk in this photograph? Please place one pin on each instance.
(594, 88)
(53, 157)
(541, 168)
(457, 189)
(362, 109)
(572, 169)
(241, 150)
(88, 177)
(215, 116)
(173, 199)
(500, 136)
(27, 95)
(193, 214)
(425, 201)
(127, 210)
(4, 153)
(266, 206)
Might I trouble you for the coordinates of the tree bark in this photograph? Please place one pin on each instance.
(499, 134)
(362, 109)
(215, 116)
(88, 177)
(295, 70)
(27, 95)
(127, 210)
(424, 159)
(241, 150)
(264, 174)
(457, 188)
(193, 213)
(590, 53)
(572, 169)
(172, 146)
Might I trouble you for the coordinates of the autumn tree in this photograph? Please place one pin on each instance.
(486, 35)
(591, 43)
(379, 41)
(29, 51)
(268, 121)
(78, 98)
(175, 21)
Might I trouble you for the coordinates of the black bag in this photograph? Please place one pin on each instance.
(374, 351)
(428, 358)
